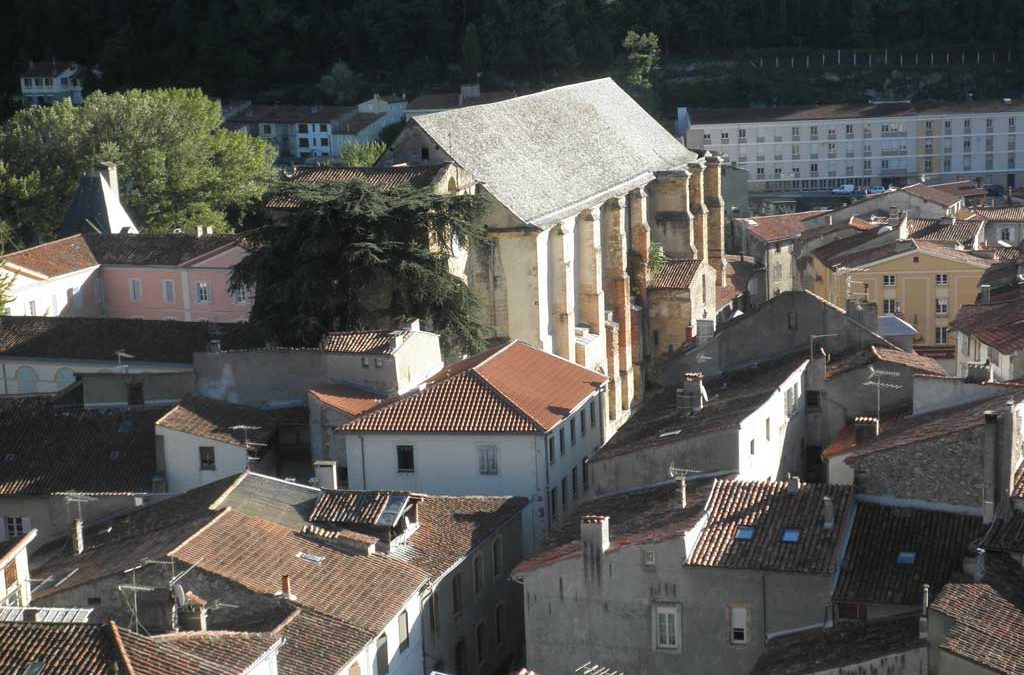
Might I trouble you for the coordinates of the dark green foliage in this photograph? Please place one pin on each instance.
(362, 257)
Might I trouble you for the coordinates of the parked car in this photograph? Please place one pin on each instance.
(994, 190)
(875, 190)
(845, 190)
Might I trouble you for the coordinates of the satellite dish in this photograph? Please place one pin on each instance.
(179, 595)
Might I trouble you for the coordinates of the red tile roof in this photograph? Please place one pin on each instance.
(455, 100)
(998, 325)
(356, 123)
(47, 68)
(511, 389)
(292, 114)
(737, 273)
(211, 652)
(988, 616)
(948, 230)
(635, 518)
(939, 540)
(902, 247)
(54, 258)
(360, 342)
(213, 419)
(921, 364)
(931, 194)
(345, 398)
(1007, 530)
(61, 648)
(318, 644)
(770, 508)
(1010, 214)
(783, 226)
(676, 274)
(961, 188)
(352, 507)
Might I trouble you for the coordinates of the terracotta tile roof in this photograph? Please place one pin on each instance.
(988, 616)
(97, 339)
(948, 230)
(921, 364)
(731, 398)
(91, 451)
(213, 419)
(449, 101)
(847, 436)
(155, 249)
(637, 517)
(961, 188)
(676, 274)
(292, 114)
(345, 398)
(353, 507)
(870, 573)
(61, 648)
(514, 388)
(737, 272)
(318, 644)
(47, 68)
(418, 176)
(830, 649)
(1007, 530)
(769, 508)
(931, 194)
(998, 325)
(360, 342)
(198, 653)
(783, 226)
(355, 123)
(54, 258)
(1009, 214)
(902, 247)
(364, 591)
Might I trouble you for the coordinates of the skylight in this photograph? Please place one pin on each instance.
(745, 533)
(309, 557)
(790, 536)
(906, 558)
(674, 432)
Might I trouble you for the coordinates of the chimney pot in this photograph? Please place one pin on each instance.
(986, 294)
(865, 429)
(794, 485)
(691, 395)
(594, 534)
(828, 512)
(286, 587)
(326, 474)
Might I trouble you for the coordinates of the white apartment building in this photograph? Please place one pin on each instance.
(45, 82)
(823, 147)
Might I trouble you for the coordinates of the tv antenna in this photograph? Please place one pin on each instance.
(122, 358)
(876, 380)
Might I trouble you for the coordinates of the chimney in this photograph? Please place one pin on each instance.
(412, 325)
(986, 294)
(469, 92)
(922, 623)
(979, 565)
(830, 220)
(978, 373)
(108, 171)
(192, 615)
(690, 397)
(864, 312)
(395, 338)
(213, 346)
(681, 480)
(77, 537)
(865, 429)
(30, 615)
(828, 513)
(894, 213)
(595, 538)
(326, 474)
(989, 462)
(286, 588)
(793, 487)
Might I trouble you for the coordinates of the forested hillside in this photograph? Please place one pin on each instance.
(277, 49)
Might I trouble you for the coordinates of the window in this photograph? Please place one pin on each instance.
(707, 138)
(1004, 234)
(941, 306)
(202, 292)
(586, 474)
(553, 504)
(207, 458)
(136, 396)
(744, 533)
(561, 440)
(403, 631)
(906, 558)
(481, 639)
(303, 142)
(790, 536)
(460, 658)
(574, 490)
(742, 133)
(11, 575)
(323, 128)
(498, 556)
(31, 308)
(941, 279)
(941, 335)
(752, 446)
(323, 142)
(666, 627)
(849, 128)
(135, 289)
(967, 145)
(889, 280)
(434, 613)
(488, 459)
(424, 154)
(243, 296)
(725, 136)
(478, 574)
(593, 412)
(382, 655)
(551, 449)
(266, 129)
(738, 625)
(967, 123)
(813, 399)
(583, 421)
(1012, 122)
(14, 526)
(303, 129)
(890, 306)
(64, 377)
(456, 593)
(499, 623)
(565, 496)
(27, 379)
(768, 429)
(168, 291)
(406, 460)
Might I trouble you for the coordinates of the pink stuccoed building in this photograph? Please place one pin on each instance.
(129, 276)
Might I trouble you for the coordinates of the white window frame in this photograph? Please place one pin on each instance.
(739, 620)
(202, 292)
(942, 306)
(135, 289)
(942, 279)
(487, 459)
(168, 290)
(671, 639)
(889, 281)
(16, 526)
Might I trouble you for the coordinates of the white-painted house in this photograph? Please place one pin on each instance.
(512, 420)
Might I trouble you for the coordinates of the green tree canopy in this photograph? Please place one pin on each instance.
(341, 83)
(177, 166)
(360, 257)
(362, 154)
(642, 53)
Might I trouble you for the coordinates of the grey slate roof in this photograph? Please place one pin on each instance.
(282, 502)
(545, 156)
(96, 207)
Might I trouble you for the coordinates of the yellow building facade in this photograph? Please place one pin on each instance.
(924, 284)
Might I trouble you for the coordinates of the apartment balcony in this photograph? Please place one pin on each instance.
(832, 155)
(814, 155)
(778, 139)
(814, 137)
(894, 173)
(894, 153)
(849, 137)
(894, 134)
(867, 134)
(814, 174)
(760, 158)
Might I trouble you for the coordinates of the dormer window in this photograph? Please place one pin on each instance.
(906, 558)
(790, 536)
(745, 533)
